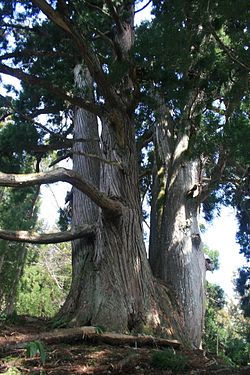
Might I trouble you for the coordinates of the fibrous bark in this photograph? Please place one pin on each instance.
(112, 283)
(178, 259)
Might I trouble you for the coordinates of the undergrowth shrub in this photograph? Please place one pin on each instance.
(169, 359)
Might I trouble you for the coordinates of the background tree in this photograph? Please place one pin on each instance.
(226, 330)
(19, 209)
(45, 281)
(183, 101)
(202, 102)
(242, 286)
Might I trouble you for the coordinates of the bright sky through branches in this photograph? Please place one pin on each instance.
(220, 235)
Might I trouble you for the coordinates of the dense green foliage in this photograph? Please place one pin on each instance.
(19, 209)
(226, 330)
(45, 281)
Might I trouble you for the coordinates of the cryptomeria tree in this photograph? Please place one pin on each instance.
(161, 110)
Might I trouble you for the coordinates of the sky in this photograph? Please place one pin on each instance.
(220, 234)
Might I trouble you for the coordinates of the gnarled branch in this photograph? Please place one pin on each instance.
(47, 238)
(64, 175)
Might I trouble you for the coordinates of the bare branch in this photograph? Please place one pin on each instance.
(94, 156)
(47, 238)
(37, 112)
(64, 175)
(61, 158)
(33, 202)
(38, 124)
(4, 116)
(145, 139)
(144, 7)
(104, 36)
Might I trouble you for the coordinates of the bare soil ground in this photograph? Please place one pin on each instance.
(89, 358)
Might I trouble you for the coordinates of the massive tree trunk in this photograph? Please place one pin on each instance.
(182, 262)
(112, 283)
(178, 259)
(78, 306)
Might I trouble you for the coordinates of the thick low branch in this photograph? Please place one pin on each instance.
(64, 175)
(37, 81)
(47, 238)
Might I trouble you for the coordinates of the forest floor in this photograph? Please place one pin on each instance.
(20, 356)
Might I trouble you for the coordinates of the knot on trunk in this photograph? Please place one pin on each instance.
(209, 264)
(196, 240)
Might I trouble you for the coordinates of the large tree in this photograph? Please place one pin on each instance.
(174, 91)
